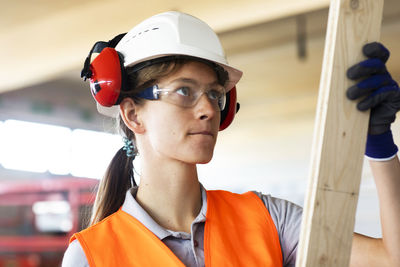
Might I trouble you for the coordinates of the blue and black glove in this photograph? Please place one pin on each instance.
(381, 94)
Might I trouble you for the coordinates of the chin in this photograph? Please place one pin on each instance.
(199, 158)
(205, 159)
(197, 154)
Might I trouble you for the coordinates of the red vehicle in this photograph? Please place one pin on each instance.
(37, 218)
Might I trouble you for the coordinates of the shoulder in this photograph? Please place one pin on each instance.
(101, 226)
(280, 208)
(287, 219)
(285, 214)
(74, 256)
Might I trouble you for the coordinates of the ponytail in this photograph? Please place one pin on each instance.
(112, 188)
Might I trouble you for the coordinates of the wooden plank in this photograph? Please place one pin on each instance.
(339, 139)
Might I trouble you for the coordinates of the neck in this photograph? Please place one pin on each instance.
(170, 193)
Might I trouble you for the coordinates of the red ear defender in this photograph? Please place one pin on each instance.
(106, 78)
(231, 107)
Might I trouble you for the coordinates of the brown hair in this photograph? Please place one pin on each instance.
(119, 174)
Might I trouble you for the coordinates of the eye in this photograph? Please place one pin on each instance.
(184, 91)
(215, 94)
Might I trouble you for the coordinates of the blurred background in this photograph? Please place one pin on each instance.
(54, 146)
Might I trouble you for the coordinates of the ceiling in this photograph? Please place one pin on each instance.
(44, 39)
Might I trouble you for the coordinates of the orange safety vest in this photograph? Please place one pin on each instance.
(239, 231)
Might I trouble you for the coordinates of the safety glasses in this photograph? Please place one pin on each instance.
(186, 95)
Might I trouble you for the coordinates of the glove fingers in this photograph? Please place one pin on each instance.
(377, 97)
(354, 92)
(368, 85)
(376, 50)
(366, 68)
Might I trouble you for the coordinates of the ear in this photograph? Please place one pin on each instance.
(129, 114)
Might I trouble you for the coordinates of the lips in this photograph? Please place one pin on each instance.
(202, 133)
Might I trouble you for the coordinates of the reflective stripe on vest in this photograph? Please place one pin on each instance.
(239, 231)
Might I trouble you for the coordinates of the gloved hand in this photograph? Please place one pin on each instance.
(381, 94)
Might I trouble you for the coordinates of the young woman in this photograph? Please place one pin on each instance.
(169, 84)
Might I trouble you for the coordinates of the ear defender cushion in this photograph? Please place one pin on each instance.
(228, 113)
(106, 79)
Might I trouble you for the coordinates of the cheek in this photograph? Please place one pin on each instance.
(164, 132)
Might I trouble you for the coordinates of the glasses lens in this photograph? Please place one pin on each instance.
(217, 95)
(189, 95)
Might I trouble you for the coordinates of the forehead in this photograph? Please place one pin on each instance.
(193, 70)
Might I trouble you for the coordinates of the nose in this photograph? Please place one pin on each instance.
(205, 109)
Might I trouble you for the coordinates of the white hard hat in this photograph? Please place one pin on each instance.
(172, 33)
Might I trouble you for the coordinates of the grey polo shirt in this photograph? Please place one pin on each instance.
(188, 247)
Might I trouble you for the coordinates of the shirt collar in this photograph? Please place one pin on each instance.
(132, 207)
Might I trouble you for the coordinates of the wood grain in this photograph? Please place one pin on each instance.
(339, 138)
